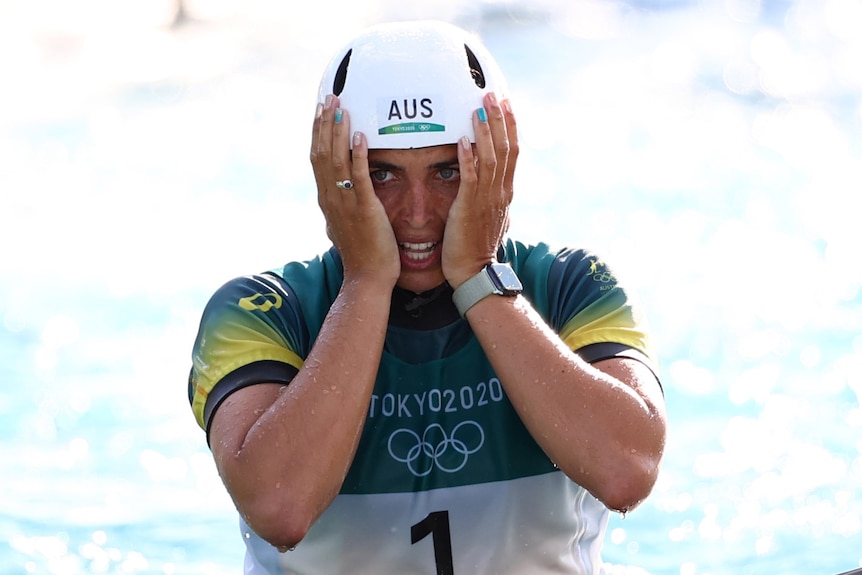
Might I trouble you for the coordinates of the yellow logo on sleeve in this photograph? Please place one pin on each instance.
(261, 301)
(601, 274)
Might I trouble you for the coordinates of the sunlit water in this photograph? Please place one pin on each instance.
(710, 149)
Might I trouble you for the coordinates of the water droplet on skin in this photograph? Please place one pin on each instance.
(247, 535)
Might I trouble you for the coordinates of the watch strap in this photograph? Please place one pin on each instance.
(474, 290)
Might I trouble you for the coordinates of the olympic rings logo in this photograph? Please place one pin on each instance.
(436, 448)
(604, 277)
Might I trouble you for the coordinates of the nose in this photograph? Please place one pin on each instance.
(416, 208)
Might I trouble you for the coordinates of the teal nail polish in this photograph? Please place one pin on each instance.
(338, 115)
(483, 116)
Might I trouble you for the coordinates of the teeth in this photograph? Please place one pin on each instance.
(418, 251)
(418, 247)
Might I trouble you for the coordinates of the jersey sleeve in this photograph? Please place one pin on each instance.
(582, 299)
(595, 313)
(250, 332)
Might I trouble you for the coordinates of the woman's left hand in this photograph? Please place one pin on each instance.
(479, 216)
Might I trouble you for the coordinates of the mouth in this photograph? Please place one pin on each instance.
(418, 251)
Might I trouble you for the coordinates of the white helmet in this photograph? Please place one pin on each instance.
(412, 84)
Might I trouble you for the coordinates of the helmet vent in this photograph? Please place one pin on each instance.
(475, 67)
(341, 74)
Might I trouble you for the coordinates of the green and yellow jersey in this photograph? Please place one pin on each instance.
(446, 478)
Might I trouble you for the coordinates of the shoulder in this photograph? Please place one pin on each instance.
(562, 265)
(553, 274)
(255, 328)
(249, 292)
(269, 289)
(278, 306)
(531, 258)
(582, 297)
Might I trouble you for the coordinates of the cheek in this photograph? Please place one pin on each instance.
(443, 199)
(391, 202)
(443, 205)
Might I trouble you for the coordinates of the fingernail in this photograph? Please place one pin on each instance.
(507, 106)
(319, 111)
(329, 99)
(465, 143)
(483, 116)
(338, 114)
(357, 138)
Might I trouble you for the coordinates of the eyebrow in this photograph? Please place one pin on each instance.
(376, 165)
(445, 164)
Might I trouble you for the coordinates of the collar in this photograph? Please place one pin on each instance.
(427, 310)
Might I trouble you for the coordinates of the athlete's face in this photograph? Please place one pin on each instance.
(417, 188)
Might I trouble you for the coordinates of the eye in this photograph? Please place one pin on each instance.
(381, 176)
(449, 173)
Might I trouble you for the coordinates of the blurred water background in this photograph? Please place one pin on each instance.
(710, 149)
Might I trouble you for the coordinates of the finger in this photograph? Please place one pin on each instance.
(341, 162)
(486, 163)
(514, 146)
(466, 165)
(321, 151)
(340, 144)
(359, 168)
(315, 127)
(497, 123)
(315, 138)
(321, 143)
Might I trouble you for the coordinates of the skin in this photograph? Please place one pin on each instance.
(416, 218)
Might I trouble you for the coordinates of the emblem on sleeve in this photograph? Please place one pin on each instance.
(599, 273)
(261, 301)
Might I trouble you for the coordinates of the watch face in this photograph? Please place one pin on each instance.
(506, 279)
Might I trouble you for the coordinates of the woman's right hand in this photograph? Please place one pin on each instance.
(356, 221)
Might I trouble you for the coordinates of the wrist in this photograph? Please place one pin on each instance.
(369, 285)
(457, 278)
(495, 279)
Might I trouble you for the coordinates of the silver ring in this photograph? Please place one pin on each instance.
(344, 184)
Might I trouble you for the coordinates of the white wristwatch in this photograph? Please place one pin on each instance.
(494, 279)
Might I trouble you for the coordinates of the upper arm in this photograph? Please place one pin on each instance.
(637, 376)
(251, 331)
(233, 419)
